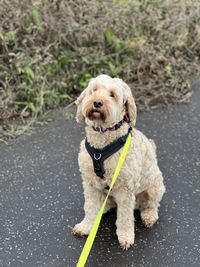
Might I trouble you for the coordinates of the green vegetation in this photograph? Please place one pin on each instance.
(50, 49)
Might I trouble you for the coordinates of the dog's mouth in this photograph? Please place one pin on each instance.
(94, 111)
(96, 114)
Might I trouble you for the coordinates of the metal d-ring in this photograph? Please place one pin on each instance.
(97, 156)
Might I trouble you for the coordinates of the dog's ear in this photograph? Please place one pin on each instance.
(78, 102)
(128, 101)
(131, 106)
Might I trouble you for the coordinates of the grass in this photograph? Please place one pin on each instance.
(50, 49)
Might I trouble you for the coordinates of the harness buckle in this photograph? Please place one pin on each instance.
(97, 156)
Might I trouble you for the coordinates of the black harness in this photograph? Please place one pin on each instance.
(99, 155)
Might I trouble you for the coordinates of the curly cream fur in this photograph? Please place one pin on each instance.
(140, 182)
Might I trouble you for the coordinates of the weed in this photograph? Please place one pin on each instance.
(50, 49)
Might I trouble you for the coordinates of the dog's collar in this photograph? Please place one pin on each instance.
(113, 128)
(99, 155)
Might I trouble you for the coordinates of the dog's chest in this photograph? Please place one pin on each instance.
(102, 138)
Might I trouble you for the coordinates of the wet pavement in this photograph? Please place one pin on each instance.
(41, 197)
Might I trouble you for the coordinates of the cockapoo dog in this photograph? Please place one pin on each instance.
(109, 111)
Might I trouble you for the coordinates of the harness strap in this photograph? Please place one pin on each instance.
(99, 155)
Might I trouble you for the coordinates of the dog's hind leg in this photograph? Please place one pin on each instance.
(148, 201)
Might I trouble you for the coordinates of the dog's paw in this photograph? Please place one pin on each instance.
(126, 244)
(81, 229)
(126, 238)
(149, 217)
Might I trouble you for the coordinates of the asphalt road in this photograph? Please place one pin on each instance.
(41, 197)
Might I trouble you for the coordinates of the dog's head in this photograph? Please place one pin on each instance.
(105, 101)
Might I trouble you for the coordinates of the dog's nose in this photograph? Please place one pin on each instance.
(97, 104)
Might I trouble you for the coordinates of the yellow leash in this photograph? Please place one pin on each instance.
(89, 242)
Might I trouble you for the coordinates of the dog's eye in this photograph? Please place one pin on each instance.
(112, 94)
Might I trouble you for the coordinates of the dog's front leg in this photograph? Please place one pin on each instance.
(93, 201)
(125, 218)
